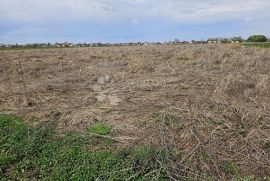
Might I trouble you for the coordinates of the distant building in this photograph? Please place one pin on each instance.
(236, 40)
(184, 42)
(212, 40)
(176, 40)
(197, 42)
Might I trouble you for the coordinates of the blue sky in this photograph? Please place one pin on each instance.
(33, 21)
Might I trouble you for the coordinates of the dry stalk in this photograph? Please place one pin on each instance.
(168, 147)
(59, 53)
(58, 59)
(77, 54)
(9, 82)
(118, 139)
(23, 81)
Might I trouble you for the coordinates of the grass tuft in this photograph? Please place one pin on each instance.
(100, 128)
(257, 44)
(230, 168)
(28, 153)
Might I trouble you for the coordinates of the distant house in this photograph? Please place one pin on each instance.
(196, 42)
(236, 40)
(212, 40)
(56, 45)
(184, 42)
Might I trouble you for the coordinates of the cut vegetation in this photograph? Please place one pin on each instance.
(187, 112)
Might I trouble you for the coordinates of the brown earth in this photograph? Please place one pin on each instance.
(209, 103)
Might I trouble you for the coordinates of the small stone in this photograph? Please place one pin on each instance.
(101, 97)
(96, 88)
(114, 100)
(101, 80)
(107, 78)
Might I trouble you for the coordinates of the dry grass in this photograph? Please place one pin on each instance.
(216, 98)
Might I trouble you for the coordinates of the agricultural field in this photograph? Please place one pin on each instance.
(259, 44)
(181, 112)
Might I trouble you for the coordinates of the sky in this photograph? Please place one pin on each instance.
(38, 21)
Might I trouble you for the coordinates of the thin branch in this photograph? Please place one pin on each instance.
(9, 82)
(24, 84)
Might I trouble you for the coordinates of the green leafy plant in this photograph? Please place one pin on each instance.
(100, 128)
(247, 178)
(229, 168)
(40, 153)
(258, 44)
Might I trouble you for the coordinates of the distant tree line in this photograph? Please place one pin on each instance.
(253, 38)
(257, 38)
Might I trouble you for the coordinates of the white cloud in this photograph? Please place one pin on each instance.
(61, 20)
(135, 21)
(108, 10)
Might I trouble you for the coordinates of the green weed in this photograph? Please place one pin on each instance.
(247, 178)
(100, 128)
(230, 168)
(28, 153)
(259, 45)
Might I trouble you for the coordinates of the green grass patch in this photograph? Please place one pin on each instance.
(32, 48)
(109, 110)
(251, 178)
(257, 44)
(230, 168)
(247, 178)
(40, 153)
(100, 128)
(27, 48)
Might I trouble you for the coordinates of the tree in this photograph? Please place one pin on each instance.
(238, 39)
(176, 40)
(257, 38)
(225, 40)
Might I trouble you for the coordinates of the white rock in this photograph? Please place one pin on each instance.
(101, 80)
(107, 78)
(114, 100)
(96, 88)
(104, 79)
(101, 97)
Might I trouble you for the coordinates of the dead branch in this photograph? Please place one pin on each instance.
(24, 84)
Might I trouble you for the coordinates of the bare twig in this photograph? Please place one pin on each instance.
(24, 84)
(9, 82)
(118, 139)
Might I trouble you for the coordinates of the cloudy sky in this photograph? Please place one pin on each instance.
(30, 21)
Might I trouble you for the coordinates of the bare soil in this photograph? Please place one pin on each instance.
(213, 101)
